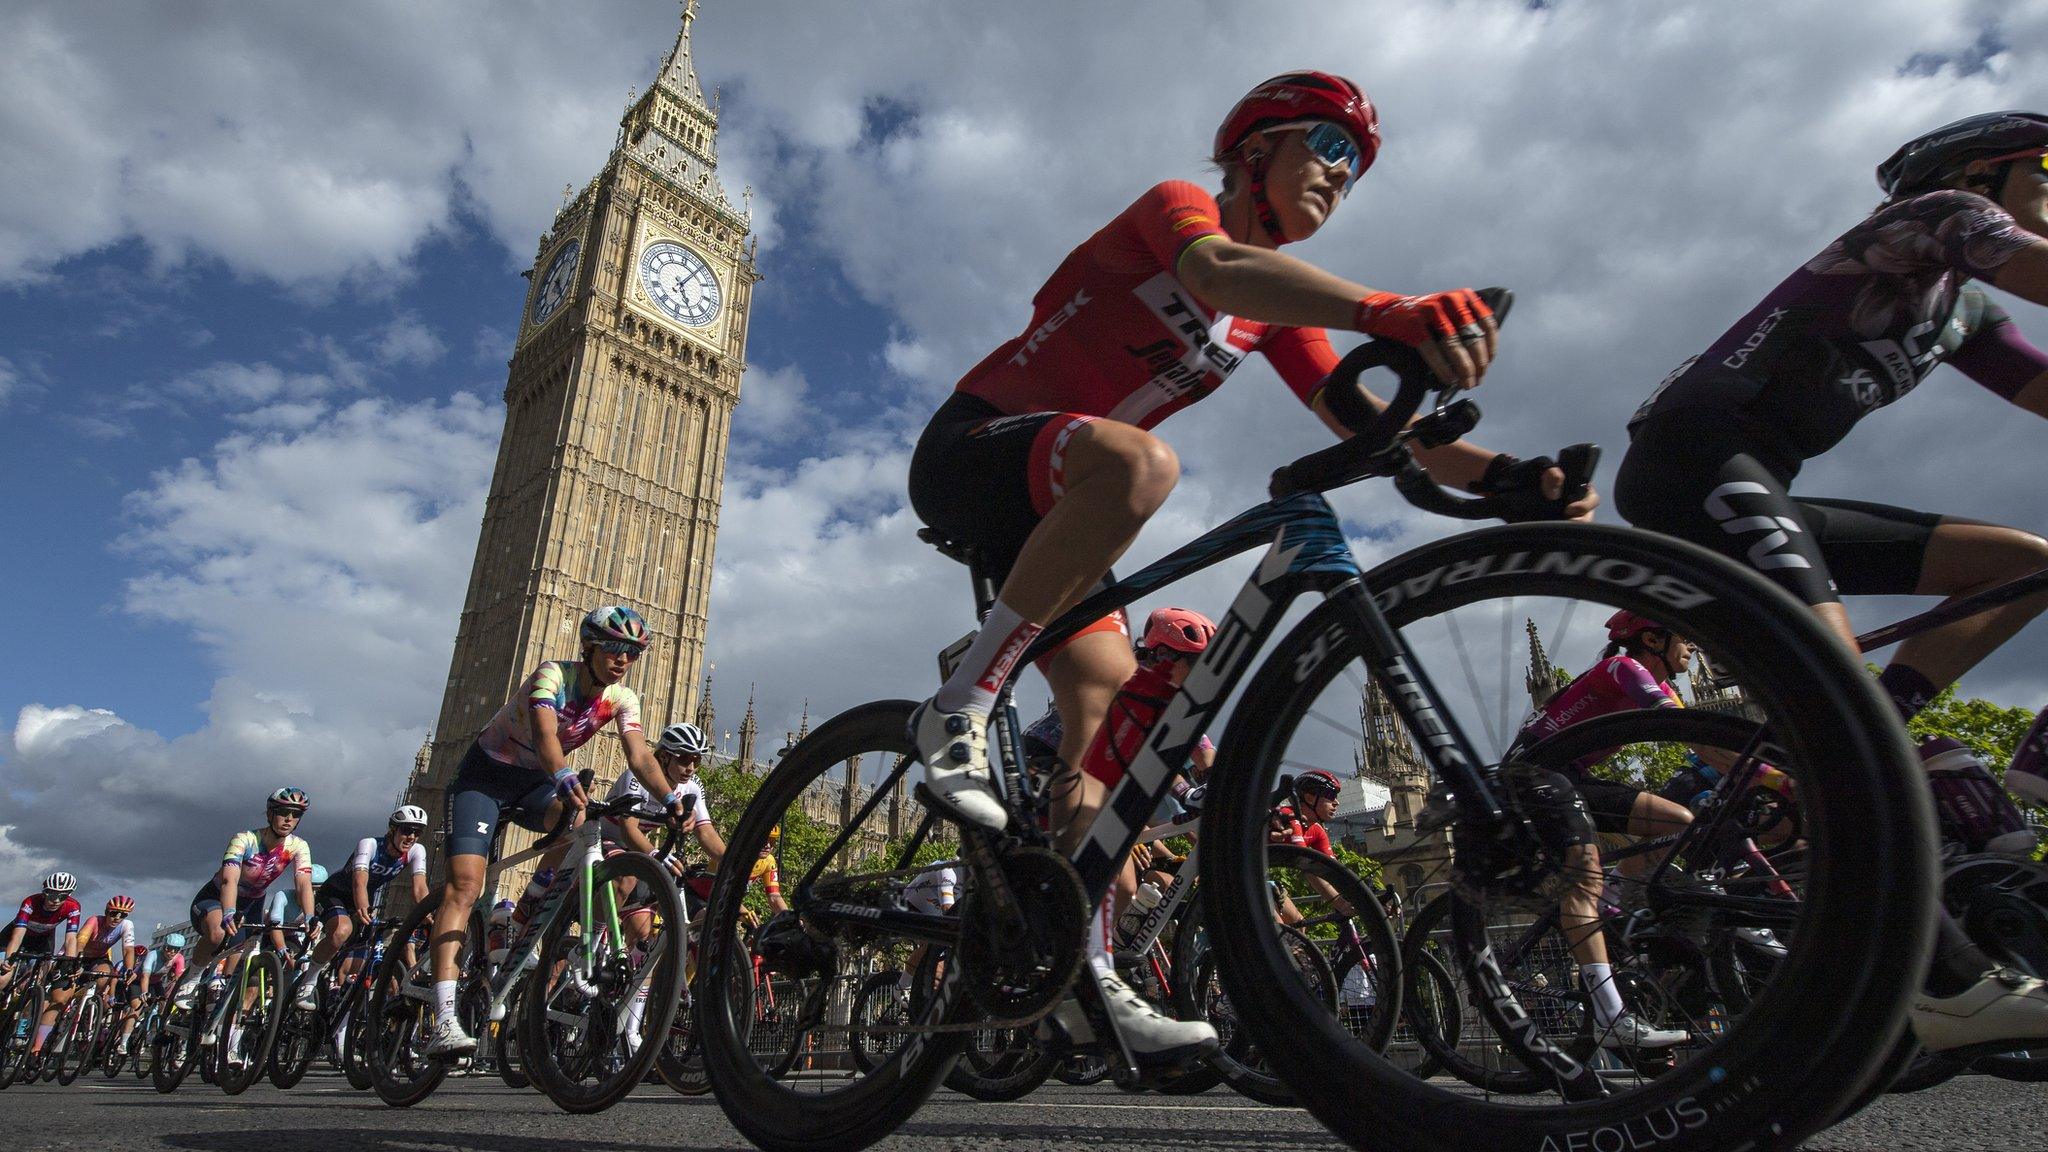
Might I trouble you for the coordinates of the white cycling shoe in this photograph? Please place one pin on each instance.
(1150, 1036)
(188, 990)
(2005, 1007)
(957, 781)
(1629, 1031)
(449, 1040)
(307, 998)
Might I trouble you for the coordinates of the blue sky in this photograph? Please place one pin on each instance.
(259, 275)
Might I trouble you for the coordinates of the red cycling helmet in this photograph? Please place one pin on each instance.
(1181, 629)
(1626, 625)
(120, 904)
(1303, 96)
(1317, 780)
(1289, 99)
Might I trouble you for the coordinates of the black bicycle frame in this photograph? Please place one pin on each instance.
(1307, 553)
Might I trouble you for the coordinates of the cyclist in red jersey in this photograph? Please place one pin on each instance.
(1043, 458)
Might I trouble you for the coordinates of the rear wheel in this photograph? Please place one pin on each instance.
(809, 1112)
(174, 1049)
(398, 1020)
(1859, 937)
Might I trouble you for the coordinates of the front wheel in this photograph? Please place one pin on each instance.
(1330, 696)
(598, 1007)
(249, 1030)
(76, 1032)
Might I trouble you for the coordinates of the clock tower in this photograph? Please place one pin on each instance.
(617, 411)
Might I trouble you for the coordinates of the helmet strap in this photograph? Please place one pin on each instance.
(1256, 165)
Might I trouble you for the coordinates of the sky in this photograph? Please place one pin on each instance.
(259, 279)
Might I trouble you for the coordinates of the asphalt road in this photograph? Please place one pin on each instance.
(1969, 1114)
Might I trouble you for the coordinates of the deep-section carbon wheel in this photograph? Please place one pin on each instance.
(1465, 606)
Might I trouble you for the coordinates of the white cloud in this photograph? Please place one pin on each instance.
(318, 566)
(772, 403)
(9, 378)
(407, 341)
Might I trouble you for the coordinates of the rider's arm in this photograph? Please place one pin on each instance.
(359, 888)
(714, 845)
(2025, 272)
(1998, 356)
(230, 878)
(640, 761)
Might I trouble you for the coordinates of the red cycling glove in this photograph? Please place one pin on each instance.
(1414, 320)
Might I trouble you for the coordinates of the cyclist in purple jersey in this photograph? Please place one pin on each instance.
(1715, 449)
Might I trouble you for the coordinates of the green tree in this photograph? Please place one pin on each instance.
(1990, 730)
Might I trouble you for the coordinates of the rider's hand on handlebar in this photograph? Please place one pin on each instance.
(1454, 331)
(570, 789)
(1580, 509)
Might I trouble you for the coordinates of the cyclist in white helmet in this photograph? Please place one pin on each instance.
(350, 895)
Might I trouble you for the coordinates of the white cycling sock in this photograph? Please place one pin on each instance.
(1599, 980)
(1099, 957)
(444, 1000)
(972, 686)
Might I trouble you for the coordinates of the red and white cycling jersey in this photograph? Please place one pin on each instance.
(1288, 827)
(102, 939)
(1114, 333)
(53, 923)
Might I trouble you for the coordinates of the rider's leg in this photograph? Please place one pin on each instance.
(451, 924)
(1114, 476)
(1653, 815)
(1963, 558)
(1085, 675)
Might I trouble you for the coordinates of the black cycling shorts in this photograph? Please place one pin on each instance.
(480, 795)
(34, 945)
(1609, 803)
(986, 480)
(1555, 808)
(971, 477)
(1701, 476)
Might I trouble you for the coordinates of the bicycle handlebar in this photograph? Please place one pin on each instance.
(1382, 450)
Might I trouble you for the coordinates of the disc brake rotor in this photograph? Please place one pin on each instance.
(1020, 965)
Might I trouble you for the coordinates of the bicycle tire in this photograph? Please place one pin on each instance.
(765, 1111)
(664, 950)
(875, 1002)
(262, 976)
(1429, 1000)
(355, 1067)
(74, 1034)
(298, 1042)
(174, 1056)
(1001, 1065)
(113, 1053)
(1430, 932)
(511, 1059)
(1808, 1038)
(27, 1003)
(2030, 1067)
(394, 1025)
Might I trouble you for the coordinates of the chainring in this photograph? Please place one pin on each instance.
(1511, 856)
(1021, 965)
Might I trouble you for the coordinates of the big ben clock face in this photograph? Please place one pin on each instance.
(554, 286)
(679, 283)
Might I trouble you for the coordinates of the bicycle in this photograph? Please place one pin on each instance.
(25, 997)
(577, 992)
(1027, 907)
(305, 1033)
(81, 1030)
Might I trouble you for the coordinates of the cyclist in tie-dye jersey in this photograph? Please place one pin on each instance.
(519, 767)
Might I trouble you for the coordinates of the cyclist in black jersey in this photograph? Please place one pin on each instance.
(1715, 449)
